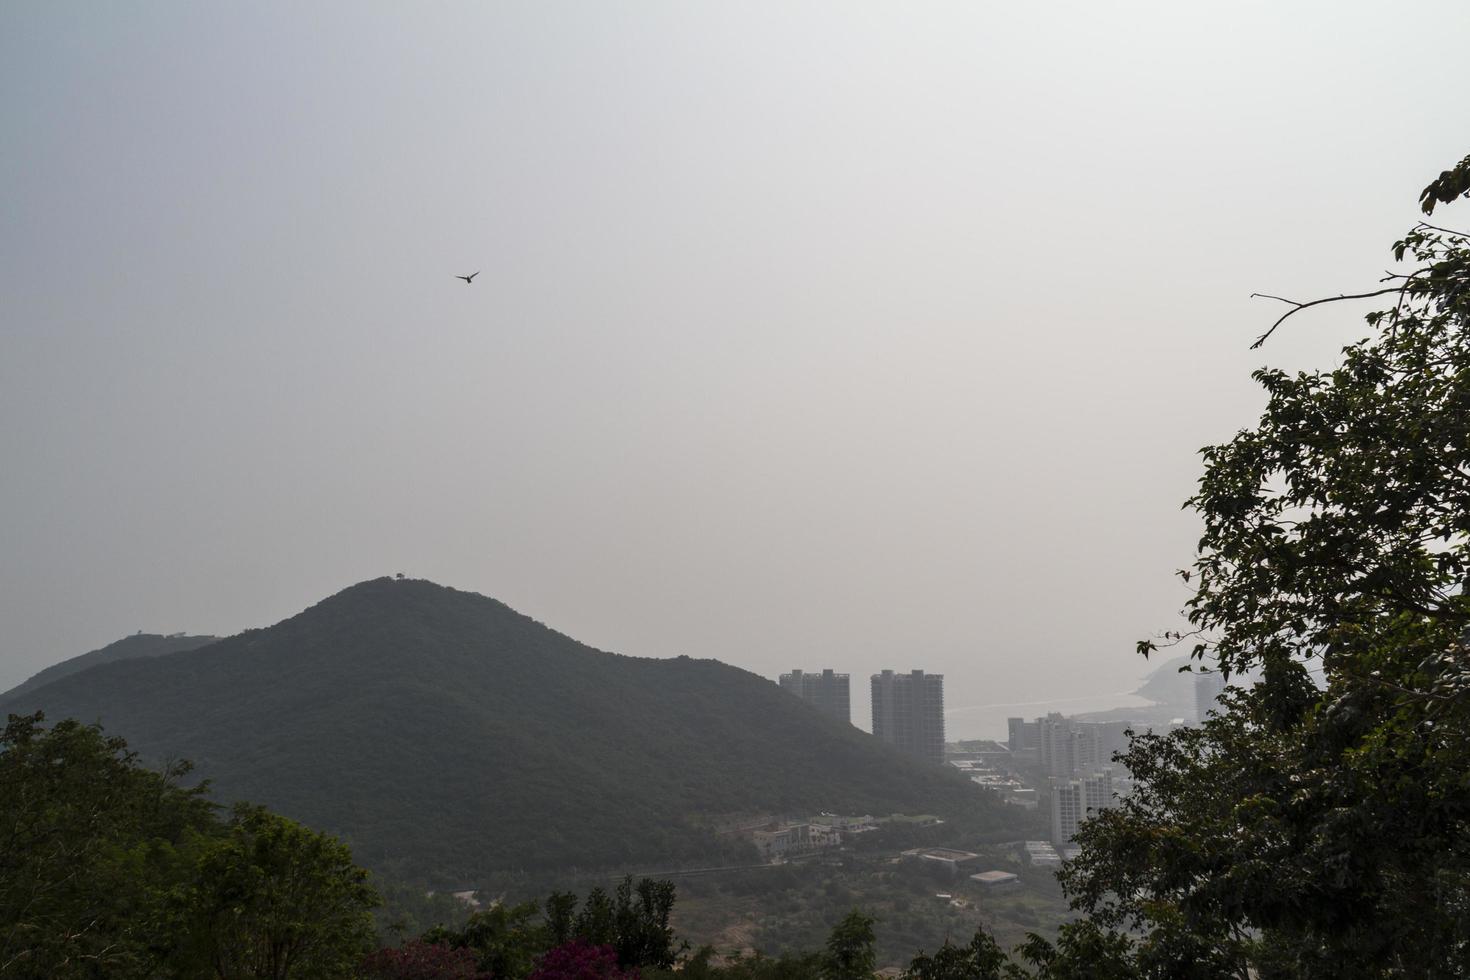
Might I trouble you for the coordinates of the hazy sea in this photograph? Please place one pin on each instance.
(989, 720)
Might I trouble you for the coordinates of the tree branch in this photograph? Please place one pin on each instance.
(1447, 231)
(1290, 302)
(1298, 307)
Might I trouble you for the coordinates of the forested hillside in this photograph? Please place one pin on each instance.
(128, 648)
(442, 733)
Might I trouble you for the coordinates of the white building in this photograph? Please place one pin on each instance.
(777, 842)
(1074, 800)
(1207, 691)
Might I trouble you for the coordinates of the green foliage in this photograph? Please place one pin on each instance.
(1083, 951)
(396, 714)
(410, 910)
(511, 942)
(505, 939)
(90, 843)
(633, 923)
(128, 648)
(110, 870)
(561, 909)
(789, 908)
(641, 916)
(982, 959)
(596, 923)
(1448, 186)
(850, 949)
(1320, 828)
(272, 899)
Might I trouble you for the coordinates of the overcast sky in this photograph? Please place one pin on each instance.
(849, 335)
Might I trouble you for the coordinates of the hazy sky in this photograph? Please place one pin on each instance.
(851, 335)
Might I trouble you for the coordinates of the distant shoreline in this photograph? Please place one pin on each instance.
(989, 720)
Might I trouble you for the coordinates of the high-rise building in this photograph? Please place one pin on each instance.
(1023, 738)
(1074, 800)
(908, 712)
(828, 691)
(1095, 742)
(1057, 744)
(1207, 690)
(1067, 747)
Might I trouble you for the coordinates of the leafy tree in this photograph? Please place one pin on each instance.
(110, 869)
(1319, 825)
(597, 922)
(641, 919)
(89, 844)
(982, 959)
(506, 939)
(850, 954)
(1083, 951)
(634, 923)
(273, 899)
(410, 910)
(561, 911)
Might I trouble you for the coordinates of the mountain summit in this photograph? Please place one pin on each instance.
(444, 733)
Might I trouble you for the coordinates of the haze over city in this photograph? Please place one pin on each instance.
(816, 335)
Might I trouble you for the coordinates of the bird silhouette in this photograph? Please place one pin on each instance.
(469, 278)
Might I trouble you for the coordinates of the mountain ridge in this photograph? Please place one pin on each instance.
(446, 732)
(132, 647)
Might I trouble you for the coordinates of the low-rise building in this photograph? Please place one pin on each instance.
(846, 825)
(995, 879)
(1024, 797)
(777, 842)
(941, 860)
(824, 836)
(1042, 854)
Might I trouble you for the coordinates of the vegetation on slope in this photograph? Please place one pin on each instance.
(443, 733)
(128, 648)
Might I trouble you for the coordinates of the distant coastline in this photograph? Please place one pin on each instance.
(989, 720)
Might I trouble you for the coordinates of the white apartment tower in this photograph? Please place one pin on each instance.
(1074, 800)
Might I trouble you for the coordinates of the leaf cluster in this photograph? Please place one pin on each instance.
(111, 869)
(1316, 826)
(632, 924)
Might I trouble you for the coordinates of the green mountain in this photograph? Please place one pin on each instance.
(128, 648)
(1165, 685)
(444, 734)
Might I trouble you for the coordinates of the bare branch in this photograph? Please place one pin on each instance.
(1297, 308)
(1283, 299)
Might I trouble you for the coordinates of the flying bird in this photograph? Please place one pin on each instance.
(469, 278)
